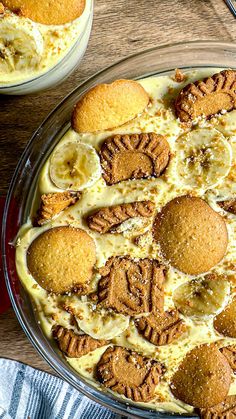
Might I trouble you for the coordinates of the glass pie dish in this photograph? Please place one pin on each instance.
(62, 57)
(158, 61)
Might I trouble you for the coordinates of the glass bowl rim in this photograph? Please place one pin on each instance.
(105, 399)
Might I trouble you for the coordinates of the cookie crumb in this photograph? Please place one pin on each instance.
(179, 77)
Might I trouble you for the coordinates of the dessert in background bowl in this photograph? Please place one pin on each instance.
(125, 237)
(41, 43)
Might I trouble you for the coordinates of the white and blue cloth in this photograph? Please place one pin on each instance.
(27, 393)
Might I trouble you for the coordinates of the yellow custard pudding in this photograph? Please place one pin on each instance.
(41, 42)
(129, 251)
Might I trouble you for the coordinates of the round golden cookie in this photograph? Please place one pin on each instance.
(108, 106)
(225, 322)
(61, 259)
(51, 12)
(203, 378)
(192, 236)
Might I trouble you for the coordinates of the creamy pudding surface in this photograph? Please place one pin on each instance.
(129, 252)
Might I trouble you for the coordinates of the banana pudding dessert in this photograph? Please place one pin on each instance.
(35, 36)
(129, 251)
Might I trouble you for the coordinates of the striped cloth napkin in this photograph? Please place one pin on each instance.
(27, 393)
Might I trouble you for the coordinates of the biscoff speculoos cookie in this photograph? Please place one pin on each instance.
(54, 203)
(128, 373)
(192, 236)
(74, 345)
(61, 259)
(223, 410)
(203, 378)
(107, 106)
(207, 97)
(161, 328)
(134, 156)
(230, 353)
(105, 219)
(131, 286)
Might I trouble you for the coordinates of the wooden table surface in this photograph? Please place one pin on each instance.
(121, 28)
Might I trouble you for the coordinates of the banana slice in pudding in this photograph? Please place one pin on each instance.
(96, 322)
(74, 166)
(202, 159)
(202, 297)
(225, 123)
(227, 187)
(21, 44)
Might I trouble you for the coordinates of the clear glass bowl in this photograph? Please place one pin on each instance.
(160, 60)
(58, 72)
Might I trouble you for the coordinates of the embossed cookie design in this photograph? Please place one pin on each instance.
(129, 373)
(203, 378)
(225, 322)
(192, 236)
(61, 259)
(131, 287)
(107, 106)
(107, 218)
(73, 345)
(230, 353)
(207, 97)
(134, 156)
(161, 329)
(54, 203)
(223, 410)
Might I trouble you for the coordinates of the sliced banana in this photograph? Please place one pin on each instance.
(96, 322)
(227, 187)
(202, 159)
(74, 166)
(202, 297)
(225, 123)
(21, 44)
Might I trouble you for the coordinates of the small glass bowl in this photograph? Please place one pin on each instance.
(58, 72)
(156, 61)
